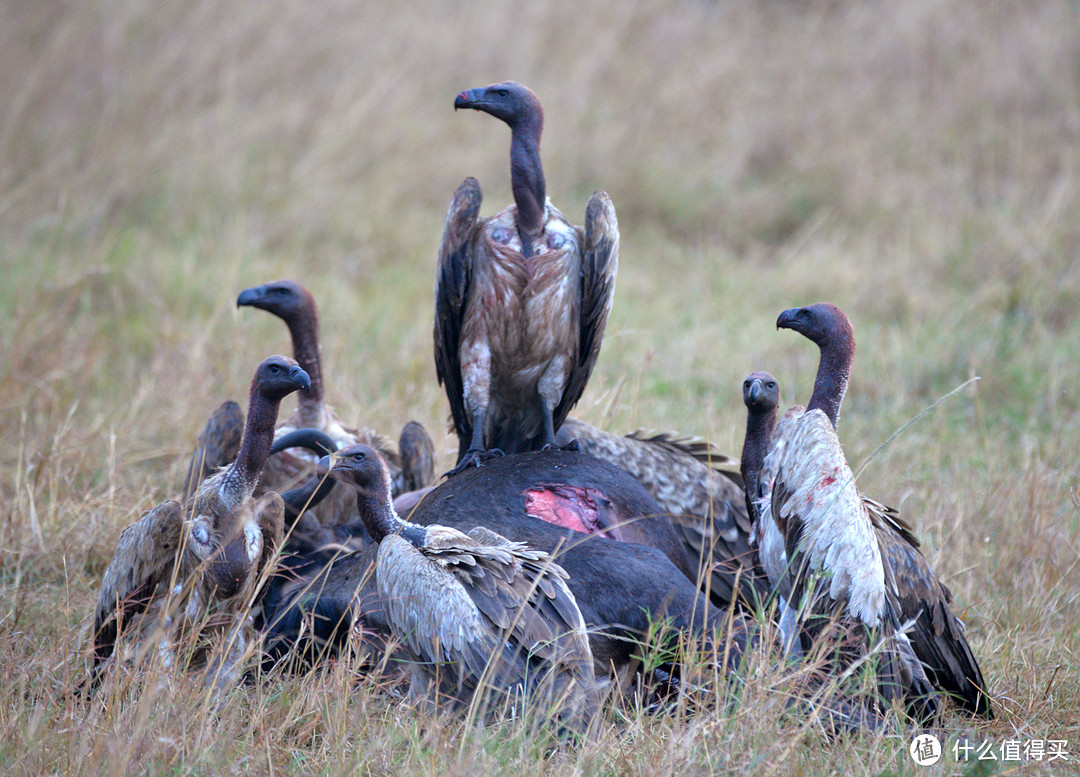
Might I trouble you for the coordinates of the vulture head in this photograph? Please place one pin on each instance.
(822, 323)
(510, 101)
(279, 376)
(761, 392)
(285, 299)
(362, 468)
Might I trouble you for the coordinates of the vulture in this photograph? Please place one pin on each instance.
(761, 395)
(938, 636)
(195, 568)
(476, 612)
(706, 504)
(804, 443)
(521, 298)
(412, 469)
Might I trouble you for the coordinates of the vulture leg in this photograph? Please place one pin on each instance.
(475, 455)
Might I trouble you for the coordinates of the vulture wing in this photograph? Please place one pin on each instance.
(417, 457)
(142, 563)
(599, 264)
(834, 565)
(217, 447)
(938, 636)
(486, 606)
(451, 293)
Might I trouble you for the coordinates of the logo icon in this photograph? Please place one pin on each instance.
(925, 750)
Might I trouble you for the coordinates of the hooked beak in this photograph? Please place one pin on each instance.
(465, 99)
(785, 319)
(757, 391)
(249, 297)
(300, 378)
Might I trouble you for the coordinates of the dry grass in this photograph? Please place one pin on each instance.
(915, 163)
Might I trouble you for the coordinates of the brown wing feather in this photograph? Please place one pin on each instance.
(599, 265)
(417, 457)
(217, 446)
(451, 293)
(488, 607)
(142, 562)
(938, 637)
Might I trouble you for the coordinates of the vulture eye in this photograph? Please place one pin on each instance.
(276, 291)
(359, 456)
(503, 93)
(274, 369)
(770, 384)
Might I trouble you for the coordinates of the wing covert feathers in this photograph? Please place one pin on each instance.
(142, 563)
(451, 292)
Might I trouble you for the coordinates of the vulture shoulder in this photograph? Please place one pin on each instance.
(217, 446)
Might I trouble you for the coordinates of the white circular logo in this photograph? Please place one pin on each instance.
(925, 750)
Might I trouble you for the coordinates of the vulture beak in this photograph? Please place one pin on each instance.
(465, 99)
(249, 297)
(785, 319)
(757, 391)
(300, 378)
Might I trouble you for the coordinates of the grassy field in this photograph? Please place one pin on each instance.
(917, 164)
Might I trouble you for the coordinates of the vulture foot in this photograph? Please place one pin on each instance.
(474, 458)
(573, 447)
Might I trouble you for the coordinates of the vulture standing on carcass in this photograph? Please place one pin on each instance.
(807, 440)
(181, 569)
(521, 298)
(413, 468)
(705, 504)
(476, 612)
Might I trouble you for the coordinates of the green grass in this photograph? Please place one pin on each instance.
(915, 163)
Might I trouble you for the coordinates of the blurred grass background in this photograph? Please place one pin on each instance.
(915, 163)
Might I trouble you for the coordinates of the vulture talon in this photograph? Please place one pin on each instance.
(475, 458)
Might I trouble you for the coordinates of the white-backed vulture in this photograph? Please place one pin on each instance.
(295, 305)
(194, 569)
(478, 613)
(521, 298)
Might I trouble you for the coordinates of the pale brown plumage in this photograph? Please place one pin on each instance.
(706, 504)
(477, 612)
(196, 568)
(521, 298)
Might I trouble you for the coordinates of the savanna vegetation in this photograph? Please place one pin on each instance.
(915, 163)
